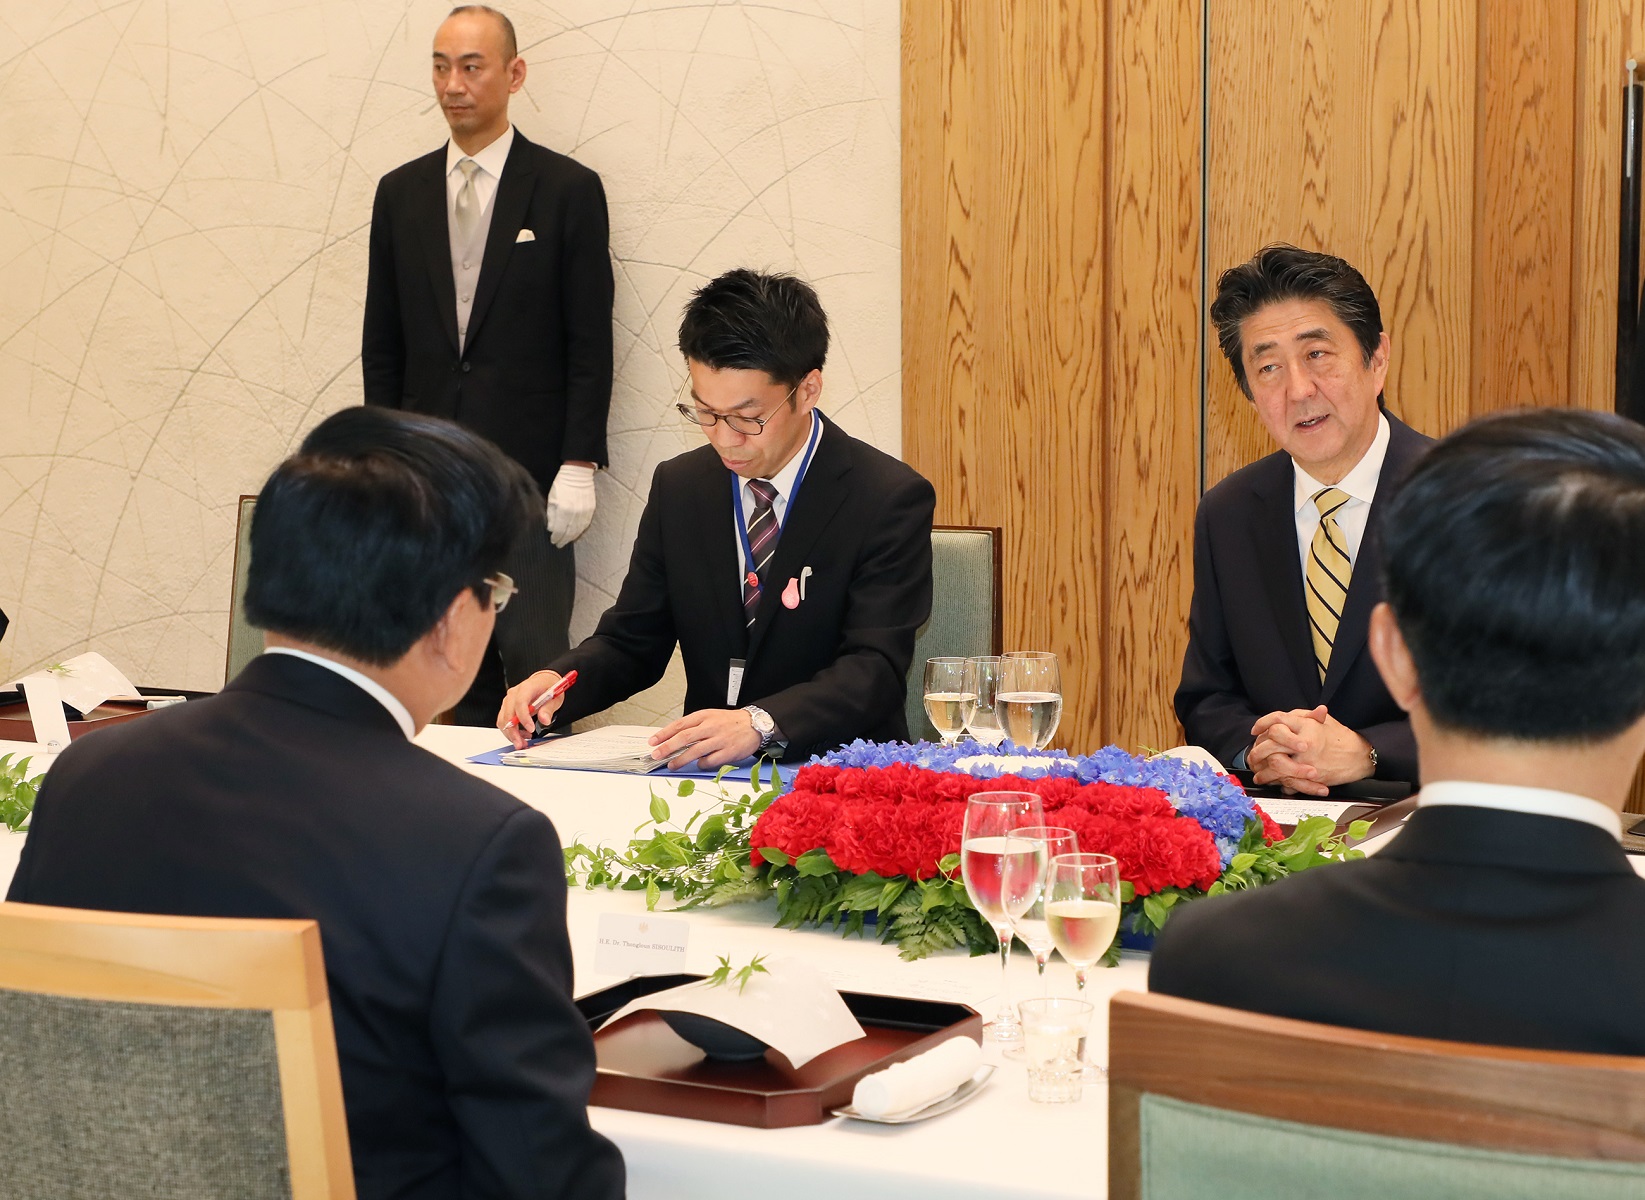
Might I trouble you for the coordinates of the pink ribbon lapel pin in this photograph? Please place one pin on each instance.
(791, 594)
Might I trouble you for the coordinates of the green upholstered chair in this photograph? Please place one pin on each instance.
(1209, 1101)
(965, 608)
(185, 1057)
(245, 641)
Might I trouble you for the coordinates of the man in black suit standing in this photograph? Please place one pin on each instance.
(296, 792)
(1505, 911)
(488, 301)
(1286, 550)
(790, 562)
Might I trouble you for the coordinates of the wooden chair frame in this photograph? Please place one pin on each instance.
(234, 601)
(211, 962)
(1583, 1106)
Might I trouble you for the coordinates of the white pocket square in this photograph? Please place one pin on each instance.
(525, 236)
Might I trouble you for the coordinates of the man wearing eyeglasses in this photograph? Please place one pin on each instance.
(297, 792)
(790, 562)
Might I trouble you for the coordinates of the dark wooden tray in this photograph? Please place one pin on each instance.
(16, 725)
(645, 1066)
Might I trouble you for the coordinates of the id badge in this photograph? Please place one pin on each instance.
(734, 683)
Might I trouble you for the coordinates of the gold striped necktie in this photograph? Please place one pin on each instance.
(1327, 576)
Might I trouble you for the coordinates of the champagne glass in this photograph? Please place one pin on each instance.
(1030, 925)
(1030, 697)
(1002, 874)
(982, 718)
(946, 697)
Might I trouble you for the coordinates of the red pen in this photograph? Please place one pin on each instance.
(559, 689)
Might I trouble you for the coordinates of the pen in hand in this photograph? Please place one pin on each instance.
(559, 689)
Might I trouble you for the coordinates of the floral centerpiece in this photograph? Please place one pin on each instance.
(872, 832)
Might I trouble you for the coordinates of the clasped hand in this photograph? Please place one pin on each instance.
(1307, 750)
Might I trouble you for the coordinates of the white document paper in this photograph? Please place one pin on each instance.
(88, 680)
(45, 696)
(790, 1008)
(1291, 809)
(610, 748)
(627, 945)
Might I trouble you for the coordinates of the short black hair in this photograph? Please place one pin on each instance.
(511, 44)
(361, 540)
(751, 320)
(1280, 272)
(1514, 562)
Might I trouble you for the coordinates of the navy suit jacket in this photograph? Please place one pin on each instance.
(1474, 925)
(831, 669)
(1249, 649)
(534, 374)
(441, 902)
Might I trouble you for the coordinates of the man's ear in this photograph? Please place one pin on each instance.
(1393, 658)
(809, 391)
(441, 641)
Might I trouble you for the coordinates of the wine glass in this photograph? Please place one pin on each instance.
(1030, 924)
(945, 696)
(1002, 874)
(1030, 697)
(982, 682)
(1082, 910)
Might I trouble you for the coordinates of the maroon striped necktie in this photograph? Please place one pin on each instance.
(762, 543)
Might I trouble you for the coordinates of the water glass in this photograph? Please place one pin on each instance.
(982, 684)
(1003, 875)
(1030, 697)
(946, 697)
(1054, 1029)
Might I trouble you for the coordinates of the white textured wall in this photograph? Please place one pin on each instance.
(185, 194)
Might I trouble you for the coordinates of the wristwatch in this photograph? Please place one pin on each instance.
(763, 724)
(1373, 773)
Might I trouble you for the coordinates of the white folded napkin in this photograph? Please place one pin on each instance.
(921, 1080)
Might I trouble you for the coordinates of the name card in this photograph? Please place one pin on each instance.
(628, 945)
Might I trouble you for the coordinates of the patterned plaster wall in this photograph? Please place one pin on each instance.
(185, 193)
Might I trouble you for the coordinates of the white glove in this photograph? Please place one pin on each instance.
(570, 503)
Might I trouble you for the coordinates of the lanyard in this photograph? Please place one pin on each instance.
(793, 493)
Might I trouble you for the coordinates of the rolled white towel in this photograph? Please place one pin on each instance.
(919, 1081)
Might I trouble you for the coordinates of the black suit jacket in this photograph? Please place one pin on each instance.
(1475, 925)
(441, 903)
(1249, 650)
(535, 372)
(830, 670)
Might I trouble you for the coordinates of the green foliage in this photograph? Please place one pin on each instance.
(723, 974)
(1313, 843)
(17, 792)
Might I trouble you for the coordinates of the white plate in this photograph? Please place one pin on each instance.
(936, 1108)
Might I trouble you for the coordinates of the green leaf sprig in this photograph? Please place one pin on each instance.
(17, 793)
(724, 974)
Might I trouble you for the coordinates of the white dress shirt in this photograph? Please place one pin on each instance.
(490, 161)
(1540, 802)
(1361, 486)
(402, 717)
(783, 481)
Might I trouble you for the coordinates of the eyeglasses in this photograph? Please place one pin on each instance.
(749, 426)
(502, 590)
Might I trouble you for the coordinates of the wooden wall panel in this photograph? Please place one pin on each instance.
(1349, 129)
(1003, 374)
(1156, 308)
(1523, 196)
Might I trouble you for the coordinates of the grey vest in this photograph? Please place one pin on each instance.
(465, 263)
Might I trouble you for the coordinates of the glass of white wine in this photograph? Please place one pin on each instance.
(1082, 911)
(946, 697)
(982, 683)
(1030, 697)
(1003, 875)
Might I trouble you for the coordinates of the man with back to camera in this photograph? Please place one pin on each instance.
(790, 561)
(1505, 912)
(1286, 550)
(296, 792)
(488, 301)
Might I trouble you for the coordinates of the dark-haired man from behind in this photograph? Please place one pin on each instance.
(1276, 678)
(1505, 912)
(296, 792)
(789, 561)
